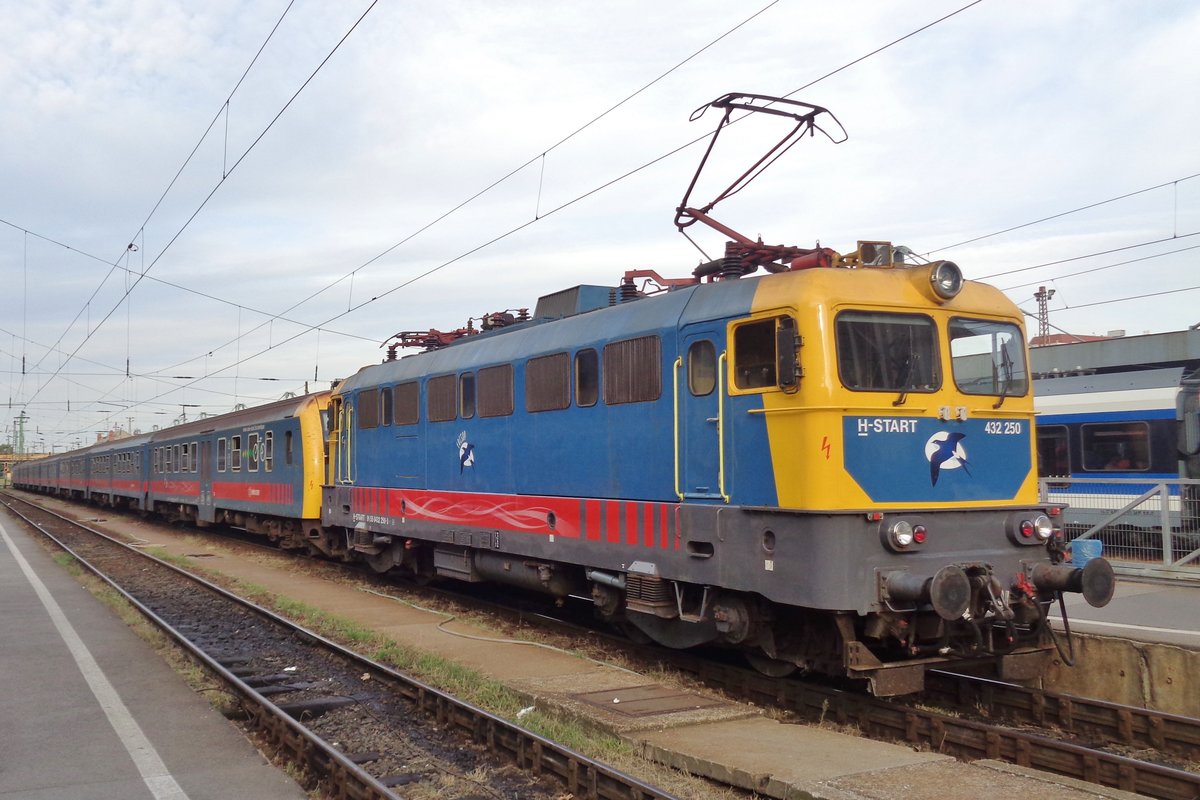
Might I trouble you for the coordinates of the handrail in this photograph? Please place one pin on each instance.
(675, 391)
(721, 425)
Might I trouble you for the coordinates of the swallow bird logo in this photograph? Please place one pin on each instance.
(945, 451)
(466, 453)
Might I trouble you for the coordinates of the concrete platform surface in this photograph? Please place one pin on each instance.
(88, 711)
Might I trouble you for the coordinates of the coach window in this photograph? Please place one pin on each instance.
(287, 448)
(407, 403)
(988, 357)
(235, 454)
(252, 452)
(156, 461)
(1115, 446)
(548, 383)
(496, 391)
(466, 395)
(441, 398)
(269, 451)
(702, 368)
(195, 456)
(633, 370)
(1053, 454)
(368, 408)
(221, 454)
(884, 352)
(385, 406)
(186, 464)
(587, 377)
(175, 460)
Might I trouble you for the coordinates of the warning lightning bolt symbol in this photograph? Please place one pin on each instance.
(825, 446)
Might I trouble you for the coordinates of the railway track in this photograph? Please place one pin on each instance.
(1090, 740)
(357, 728)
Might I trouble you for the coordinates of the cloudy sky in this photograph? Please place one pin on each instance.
(200, 200)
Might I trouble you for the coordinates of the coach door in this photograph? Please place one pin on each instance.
(206, 481)
(700, 424)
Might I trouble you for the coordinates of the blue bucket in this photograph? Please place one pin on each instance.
(1084, 550)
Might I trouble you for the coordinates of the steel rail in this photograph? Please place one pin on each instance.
(581, 775)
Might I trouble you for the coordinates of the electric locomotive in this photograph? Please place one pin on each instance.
(830, 466)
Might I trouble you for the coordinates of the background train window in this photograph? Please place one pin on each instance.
(156, 461)
(221, 454)
(407, 404)
(287, 448)
(235, 454)
(702, 368)
(496, 391)
(988, 357)
(466, 395)
(269, 451)
(633, 370)
(252, 451)
(754, 355)
(368, 408)
(441, 398)
(1115, 446)
(195, 457)
(587, 377)
(185, 465)
(548, 382)
(883, 352)
(385, 406)
(1053, 454)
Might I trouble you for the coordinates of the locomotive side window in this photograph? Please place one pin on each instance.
(385, 406)
(441, 398)
(235, 455)
(466, 395)
(754, 355)
(548, 382)
(1116, 446)
(886, 352)
(988, 357)
(221, 454)
(1053, 455)
(633, 370)
(287, 448)
(408, 405)
(702, 368)
(368, 408)
(587, 377)
(496, 391)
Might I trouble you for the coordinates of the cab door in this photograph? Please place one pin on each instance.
(700, 406)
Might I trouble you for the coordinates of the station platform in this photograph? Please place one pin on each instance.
(1145, 610)
(90, 712)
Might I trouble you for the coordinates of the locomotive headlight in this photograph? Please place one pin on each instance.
(1043, 527)
(946, 279)
(901, 533)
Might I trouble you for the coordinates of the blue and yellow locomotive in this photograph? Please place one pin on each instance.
(829, 467)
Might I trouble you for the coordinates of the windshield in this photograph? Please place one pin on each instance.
(988, 357)
(885, 352)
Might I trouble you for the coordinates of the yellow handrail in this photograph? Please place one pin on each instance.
(721, 426)
(675, 391)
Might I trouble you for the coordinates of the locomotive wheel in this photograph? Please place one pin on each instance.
(771, 667)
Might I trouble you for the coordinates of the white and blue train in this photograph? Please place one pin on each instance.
(1114, 437)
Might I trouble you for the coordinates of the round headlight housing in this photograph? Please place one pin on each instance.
(1043, 527)
(946, 279)
(901, 533)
